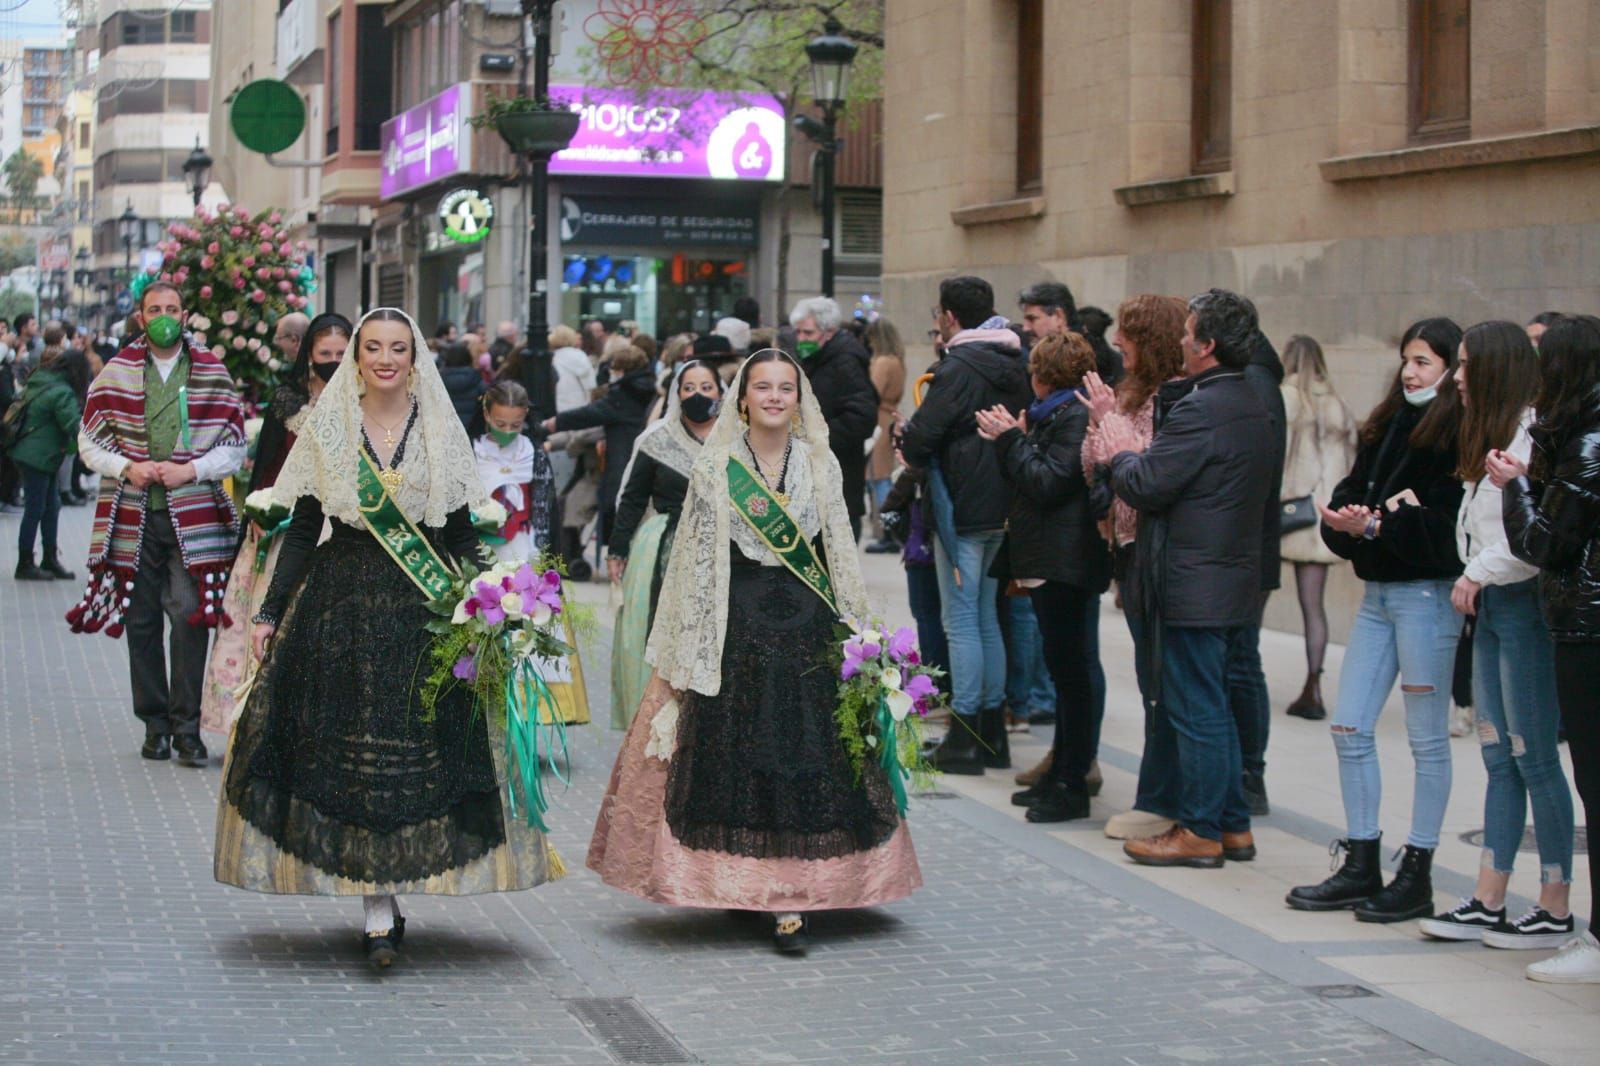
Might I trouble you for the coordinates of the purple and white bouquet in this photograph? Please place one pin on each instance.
(885, 692)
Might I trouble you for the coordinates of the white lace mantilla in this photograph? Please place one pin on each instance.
(439, 468)
(686, 641)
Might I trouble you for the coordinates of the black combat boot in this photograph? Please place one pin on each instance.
(1409, 895)
(996, 741)
(27, 571)
(959, 751)
(1353, 883)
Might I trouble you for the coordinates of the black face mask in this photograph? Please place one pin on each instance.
(700, 407)
(324, 371)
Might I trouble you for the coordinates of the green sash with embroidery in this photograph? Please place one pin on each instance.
(777, 529)
(399, 535)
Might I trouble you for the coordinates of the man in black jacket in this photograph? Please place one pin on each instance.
(982, 367)
(1202, 490)
(836, 366)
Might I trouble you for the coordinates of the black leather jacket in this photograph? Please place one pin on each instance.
(1555, 525)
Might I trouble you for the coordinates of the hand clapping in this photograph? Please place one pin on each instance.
(996, 420)
(1117, 435)
(1098, 397)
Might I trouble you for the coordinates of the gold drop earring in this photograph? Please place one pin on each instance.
(411, 380)
(744, 414)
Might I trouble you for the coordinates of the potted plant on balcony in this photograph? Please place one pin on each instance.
(528, 124)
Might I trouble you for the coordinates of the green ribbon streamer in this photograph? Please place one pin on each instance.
(526, 692)
(889, 756)
(265, 543)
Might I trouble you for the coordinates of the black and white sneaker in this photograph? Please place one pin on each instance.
(1470, 920)
(1536, 929)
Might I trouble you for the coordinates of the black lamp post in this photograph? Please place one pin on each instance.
(128, 228)
(197, 171)
(81, 277)
(830, 56)
(538, 155)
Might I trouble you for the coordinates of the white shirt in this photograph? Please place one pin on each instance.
(214, 465)
(1480, 525)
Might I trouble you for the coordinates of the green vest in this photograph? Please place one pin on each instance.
(162, 420)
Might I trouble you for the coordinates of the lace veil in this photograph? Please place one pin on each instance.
(441, 472)
(668, 441)
(686, 641)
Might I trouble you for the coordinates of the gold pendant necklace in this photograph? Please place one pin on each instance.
(392, 479)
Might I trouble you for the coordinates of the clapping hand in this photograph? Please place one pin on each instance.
(1349, 519)
(996, 420)
(1097, 396)
(1117, 435)
(1503, 467)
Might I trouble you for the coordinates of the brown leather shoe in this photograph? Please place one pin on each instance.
(1176, 847)
(1238, 847)
(1029, 778)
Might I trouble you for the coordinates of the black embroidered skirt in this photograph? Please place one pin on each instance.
(759, 769)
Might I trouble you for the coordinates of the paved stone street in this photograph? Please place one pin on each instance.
(1025, 946)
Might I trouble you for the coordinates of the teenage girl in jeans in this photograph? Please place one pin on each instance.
(1394, 517)
(1552, 515)
(1513, 661)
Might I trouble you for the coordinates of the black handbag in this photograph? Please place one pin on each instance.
(1298, 513)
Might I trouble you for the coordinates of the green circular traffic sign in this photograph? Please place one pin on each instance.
(267, 116)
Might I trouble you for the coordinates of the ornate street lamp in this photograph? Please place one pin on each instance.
(197, 171)
(128, 225)
(830, 56)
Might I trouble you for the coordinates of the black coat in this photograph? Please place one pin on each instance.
(465, 386)
(1051, 533)
(1413, 543)
(849, 402)
(1555, 525)
(1265, 374)
(1201, 491)
(652, 483)
(970, 377)
(622, 411)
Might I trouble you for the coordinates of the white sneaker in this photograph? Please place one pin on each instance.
(1576, 964)
(1463, 720)
(1137, 825)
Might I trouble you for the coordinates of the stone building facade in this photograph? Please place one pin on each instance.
(1351, 165)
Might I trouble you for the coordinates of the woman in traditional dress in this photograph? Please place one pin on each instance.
(657, 476)
(320, 353)
(337, 783)
(733, 788)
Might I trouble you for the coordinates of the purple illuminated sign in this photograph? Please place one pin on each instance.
(426, 143)
(673, 134)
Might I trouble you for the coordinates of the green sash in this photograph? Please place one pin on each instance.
(399, 535)
(777, 529)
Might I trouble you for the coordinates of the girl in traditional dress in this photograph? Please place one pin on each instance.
(336, 782)
(733, 788)
(320, 353)
(657, 476)
(517, 475)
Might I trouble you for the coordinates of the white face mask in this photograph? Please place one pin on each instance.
(1422, 397)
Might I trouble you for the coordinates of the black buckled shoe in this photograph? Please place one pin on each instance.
(190, 750)
(157, 746)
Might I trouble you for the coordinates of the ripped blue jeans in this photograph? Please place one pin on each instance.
(1405, 630)
(1514, 693)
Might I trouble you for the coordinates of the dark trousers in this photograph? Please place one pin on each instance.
(1160, 784)
(163, 587)
(1069, 654)
(1097, 673)
(41, 507)
(1247, 695)
(1194, 691)
(922, 589)
(1577, 666)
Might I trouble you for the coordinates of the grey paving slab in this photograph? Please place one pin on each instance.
(120, 948)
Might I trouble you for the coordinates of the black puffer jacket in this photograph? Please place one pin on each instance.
(622, 412)
(1051, 533)
(1265, 374)
(838, 375)
(465, 386)
(1555, 525)
(971, 376)
(1413, 543)
(1201, 490)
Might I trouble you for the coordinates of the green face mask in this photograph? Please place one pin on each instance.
(503, 437)
(163, 331)
(806, 349)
